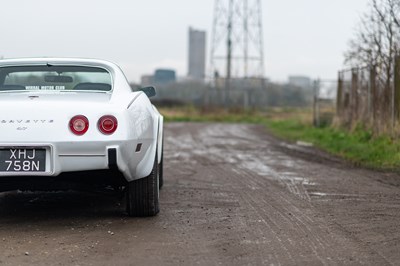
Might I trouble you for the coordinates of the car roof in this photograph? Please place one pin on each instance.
(59, 61)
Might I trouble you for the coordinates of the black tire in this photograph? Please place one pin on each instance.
(142, 195)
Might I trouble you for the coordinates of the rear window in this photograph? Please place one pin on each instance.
(54, 78)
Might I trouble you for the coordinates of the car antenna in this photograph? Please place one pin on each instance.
(49, 65)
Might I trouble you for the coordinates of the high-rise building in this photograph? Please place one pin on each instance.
(197, 54)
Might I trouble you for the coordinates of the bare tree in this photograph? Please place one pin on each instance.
(377, 39)
(376, 45)
(365, 47)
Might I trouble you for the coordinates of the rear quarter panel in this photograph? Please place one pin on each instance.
(142, 125)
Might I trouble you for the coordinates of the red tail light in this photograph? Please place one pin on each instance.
(79, 125)
(107, 124)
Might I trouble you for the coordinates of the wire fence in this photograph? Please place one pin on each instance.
(204, 96)
(367, 98)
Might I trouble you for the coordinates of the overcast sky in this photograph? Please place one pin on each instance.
(302, 37)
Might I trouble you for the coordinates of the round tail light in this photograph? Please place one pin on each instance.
(108, 124)
(79, 125)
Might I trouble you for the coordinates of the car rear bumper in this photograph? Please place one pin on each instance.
(98, 180)
(127, 156)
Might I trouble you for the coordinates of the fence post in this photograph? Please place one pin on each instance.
(397, 87)
(354, 96)
(339, 96)
(369, 98)
(316, 120)
(374, 96)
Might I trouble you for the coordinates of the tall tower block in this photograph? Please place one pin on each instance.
(197, 54)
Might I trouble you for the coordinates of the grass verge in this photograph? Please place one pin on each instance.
(359, 146)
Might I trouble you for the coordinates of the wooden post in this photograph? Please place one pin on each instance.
(374, 97)
(339, 97)
(316, 120)
(397, 87)
(354, 96)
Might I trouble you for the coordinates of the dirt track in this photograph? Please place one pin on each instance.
(233, 196)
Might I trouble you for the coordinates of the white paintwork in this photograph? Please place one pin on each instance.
(138, 122)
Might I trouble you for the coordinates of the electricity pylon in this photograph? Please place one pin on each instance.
(237, 40)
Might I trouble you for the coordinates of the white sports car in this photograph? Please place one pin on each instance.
(68, 122)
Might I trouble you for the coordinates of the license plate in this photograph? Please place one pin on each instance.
(22, 160)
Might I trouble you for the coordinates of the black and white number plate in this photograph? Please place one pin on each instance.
(22, 160)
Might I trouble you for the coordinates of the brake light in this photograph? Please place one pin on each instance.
(79, 125)
(107, 124)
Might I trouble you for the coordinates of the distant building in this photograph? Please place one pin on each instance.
(160, 77)
(147, 80)
(242, 83)
(301, 82)
(197, 54)
(164, 76)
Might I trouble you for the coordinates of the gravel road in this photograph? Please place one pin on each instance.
(233, 195)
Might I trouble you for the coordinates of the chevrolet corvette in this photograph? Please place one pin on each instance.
(68, 122)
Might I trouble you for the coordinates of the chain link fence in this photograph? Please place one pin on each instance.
(206, 96)
(368, 98)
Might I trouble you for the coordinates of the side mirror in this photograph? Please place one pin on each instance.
(149, 91)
